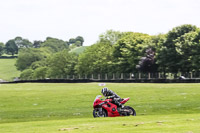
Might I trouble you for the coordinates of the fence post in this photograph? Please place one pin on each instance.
(191, 76)
(149, 75)
(98, 76)
(85, 76)
(113, 76)
(130, 75)
(73, 77)
(159, 75)
(139, 75)
(122, 75)
(92, 76)
(106, 76)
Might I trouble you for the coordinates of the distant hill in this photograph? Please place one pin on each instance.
(8, 70)
(79, 50)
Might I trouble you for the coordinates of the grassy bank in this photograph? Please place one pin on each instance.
(8, 69)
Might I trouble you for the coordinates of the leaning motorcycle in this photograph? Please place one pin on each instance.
(105, 108)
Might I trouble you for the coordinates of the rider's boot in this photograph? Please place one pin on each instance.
(120, 105)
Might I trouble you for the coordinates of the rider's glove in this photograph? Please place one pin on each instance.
(110, 97)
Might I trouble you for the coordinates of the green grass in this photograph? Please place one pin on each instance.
(8, 69)
(139, 124)
(79, 50)
(50, 107)
(8, 55)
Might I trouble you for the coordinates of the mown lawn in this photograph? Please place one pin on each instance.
(8, 69)
(49, 107)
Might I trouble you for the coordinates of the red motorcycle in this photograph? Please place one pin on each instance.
(105, 108)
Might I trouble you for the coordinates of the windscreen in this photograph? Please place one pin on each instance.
(97, 97)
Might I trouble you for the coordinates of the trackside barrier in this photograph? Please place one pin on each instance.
(112, 81)
(189, 77)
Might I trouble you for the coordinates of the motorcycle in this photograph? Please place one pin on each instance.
(105, 108)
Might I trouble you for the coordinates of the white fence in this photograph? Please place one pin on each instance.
(126, 76)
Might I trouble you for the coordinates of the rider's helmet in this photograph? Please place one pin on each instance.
(104, 91)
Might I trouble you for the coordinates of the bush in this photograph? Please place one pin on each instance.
(40, 73)
(27, 74)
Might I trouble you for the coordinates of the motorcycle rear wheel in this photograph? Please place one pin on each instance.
(97, 113)
(131, 111)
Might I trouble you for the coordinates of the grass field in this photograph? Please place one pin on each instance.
(8, 70)
(41, 108)
(79, 50)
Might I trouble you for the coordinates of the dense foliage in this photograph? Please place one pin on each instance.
(175, 53)
(1, 48)
(114, 52)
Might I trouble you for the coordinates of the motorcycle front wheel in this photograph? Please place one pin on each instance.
(97, 113)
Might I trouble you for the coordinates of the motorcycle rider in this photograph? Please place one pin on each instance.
(112, 95)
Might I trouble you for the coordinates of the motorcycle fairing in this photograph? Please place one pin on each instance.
(124, 100)
(111, 109)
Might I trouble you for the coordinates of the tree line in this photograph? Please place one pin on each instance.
(115, 52)
(130, 52)
(13, 46)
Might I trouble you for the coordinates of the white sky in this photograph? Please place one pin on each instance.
(65, 19)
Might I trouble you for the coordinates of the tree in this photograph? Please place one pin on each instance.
(168, 58)
(26, 74)
(37, 44)
(113, 52)
(40, 73)
(61, 64)
(76, 42)
(95, 59)
(38, 64)
(1, 49)
(54, 44)
(72, 41)
(98, 58)
(128, 51)
(23, 43)
(11, 47)
(188, 47)
(30, 55)
(79, 39)
(111, 36)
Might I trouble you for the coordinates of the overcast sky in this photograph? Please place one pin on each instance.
(65, 19)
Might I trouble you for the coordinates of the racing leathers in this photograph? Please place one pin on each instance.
(116, 99)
